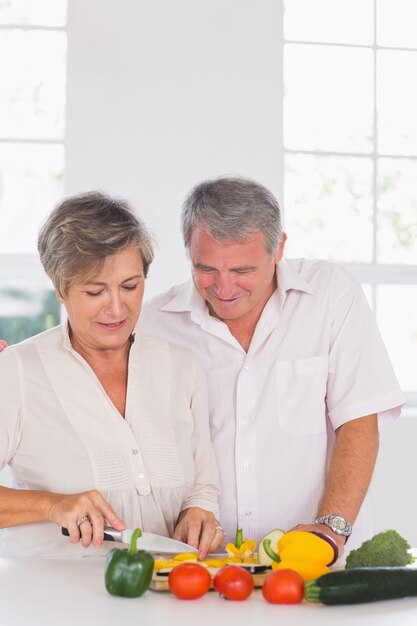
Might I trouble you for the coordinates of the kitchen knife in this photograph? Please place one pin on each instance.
(147, 541)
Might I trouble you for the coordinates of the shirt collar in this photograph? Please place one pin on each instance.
(287, 279)
(188, 299)
(66, 341)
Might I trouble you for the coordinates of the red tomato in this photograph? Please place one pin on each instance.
(233, 582)
(284, 586)
(189, 581)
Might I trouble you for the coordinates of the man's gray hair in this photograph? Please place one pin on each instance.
(85, 229)
(232, 208)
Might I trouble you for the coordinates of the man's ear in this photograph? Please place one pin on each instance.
(280, 252)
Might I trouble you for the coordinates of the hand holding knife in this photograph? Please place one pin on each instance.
(147, 541)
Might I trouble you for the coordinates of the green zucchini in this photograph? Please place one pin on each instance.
(362, 584)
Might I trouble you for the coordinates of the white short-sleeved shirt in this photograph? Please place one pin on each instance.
(316, 361)
(60, 432)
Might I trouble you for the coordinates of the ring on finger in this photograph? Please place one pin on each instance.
(84, 518)
(219, 528)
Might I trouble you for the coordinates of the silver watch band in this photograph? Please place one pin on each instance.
(337, 523)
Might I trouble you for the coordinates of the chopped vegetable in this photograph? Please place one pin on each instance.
(365, 584)
(307, 571)
(274, 536)
(128, 572)
(302, 551)
(244, 550)
(186, 556)
(331, 542)
(384, 549)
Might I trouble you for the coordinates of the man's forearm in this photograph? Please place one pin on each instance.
(351, 467)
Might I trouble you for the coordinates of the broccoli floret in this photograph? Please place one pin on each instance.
(383, 550)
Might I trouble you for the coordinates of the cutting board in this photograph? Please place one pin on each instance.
(160, 581)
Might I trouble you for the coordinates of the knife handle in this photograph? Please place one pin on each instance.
(110, 534)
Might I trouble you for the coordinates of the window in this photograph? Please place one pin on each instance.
(350, 153)
(32, 132)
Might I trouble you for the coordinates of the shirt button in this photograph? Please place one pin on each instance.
(141, 475)
(246, 368)
(246, 417)
(135, 451)
(248, 513)
(246, 464)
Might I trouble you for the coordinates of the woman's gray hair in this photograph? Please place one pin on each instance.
(232, 209)
(85, 229)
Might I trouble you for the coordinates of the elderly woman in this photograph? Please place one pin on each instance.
(99, 423)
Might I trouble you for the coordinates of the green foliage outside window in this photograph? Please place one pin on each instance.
(17, 328)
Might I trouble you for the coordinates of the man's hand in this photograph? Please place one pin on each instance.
(3, 345)
(200, 529)
(340, 540)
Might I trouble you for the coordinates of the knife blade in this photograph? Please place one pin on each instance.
(147, 541)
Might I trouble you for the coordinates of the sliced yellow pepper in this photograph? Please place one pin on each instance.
(242, 552)
(232, 559)
(186, 556)
(214, 562)
(164, 564)
(245, 551)
(251, 559)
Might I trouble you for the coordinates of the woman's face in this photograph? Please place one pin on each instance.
(103, 309)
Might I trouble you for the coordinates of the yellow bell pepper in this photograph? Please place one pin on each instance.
(186, 556)
(242, 552)
(232, 559)
(215, 562)
(307, 571)
(250, 559)
(164, 564)
(245, 551)
(242, 549)
(302, 551)
(302, 545)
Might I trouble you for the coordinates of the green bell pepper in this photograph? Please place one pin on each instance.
(128, 572)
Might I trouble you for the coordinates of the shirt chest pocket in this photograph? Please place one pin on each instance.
(301, 395)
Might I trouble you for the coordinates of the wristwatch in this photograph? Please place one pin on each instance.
(337, 523)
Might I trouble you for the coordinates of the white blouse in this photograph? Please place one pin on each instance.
(60, 432)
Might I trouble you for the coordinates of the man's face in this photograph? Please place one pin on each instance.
(236, 278)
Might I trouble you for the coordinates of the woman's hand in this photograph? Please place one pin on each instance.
(85, 515)
(3, 344)
(200, 529)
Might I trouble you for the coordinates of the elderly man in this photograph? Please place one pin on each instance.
(298, 374)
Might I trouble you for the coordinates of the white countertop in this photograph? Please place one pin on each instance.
(66, 592)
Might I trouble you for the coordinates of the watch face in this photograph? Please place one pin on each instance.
(338, 522)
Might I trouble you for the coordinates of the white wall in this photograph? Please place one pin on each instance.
(162, 94)
(392, 494)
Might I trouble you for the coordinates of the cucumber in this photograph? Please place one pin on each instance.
(362, 584)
